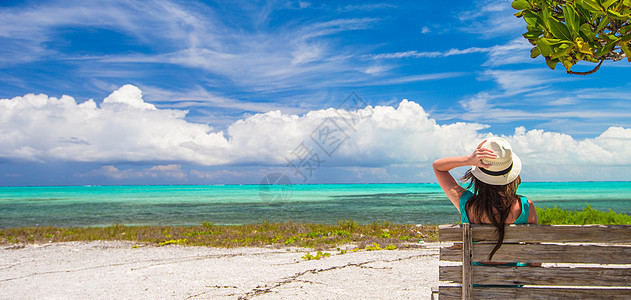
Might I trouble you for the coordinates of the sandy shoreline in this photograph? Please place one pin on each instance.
(106, 270)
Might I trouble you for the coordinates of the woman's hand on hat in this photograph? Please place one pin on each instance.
(475, 159)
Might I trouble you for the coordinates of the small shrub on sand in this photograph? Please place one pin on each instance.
(174, 242)
(374, 247)
(318, 255)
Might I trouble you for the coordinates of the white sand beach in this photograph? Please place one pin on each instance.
(115, 270)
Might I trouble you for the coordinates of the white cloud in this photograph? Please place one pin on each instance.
(604, 93)
(514, 52)
(123, 128)
(491, 19)
(367, 7)
(128, 95)
(376, 69)
(160, 171)
(428, 54)
(200, 97)
(517, 81)
(126, 129)
(418, 78)
(512, 106)
(611, 148)
(538, 95)
(215, 174)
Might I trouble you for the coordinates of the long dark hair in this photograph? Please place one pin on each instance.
(493, 201)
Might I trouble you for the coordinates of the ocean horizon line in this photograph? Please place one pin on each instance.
(300, 184)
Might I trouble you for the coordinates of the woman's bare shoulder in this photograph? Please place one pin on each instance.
(532, 213)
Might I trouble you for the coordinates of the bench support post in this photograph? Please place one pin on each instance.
(467, 274)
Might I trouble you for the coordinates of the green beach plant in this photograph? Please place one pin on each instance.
(174, 242)
(569, 31)
(318, 256)
(556, 216)
(374, 247)
(309, 235)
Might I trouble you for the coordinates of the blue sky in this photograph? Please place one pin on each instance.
(178, 92)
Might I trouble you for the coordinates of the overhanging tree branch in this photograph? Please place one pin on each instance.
(569, 31)
(587, 72)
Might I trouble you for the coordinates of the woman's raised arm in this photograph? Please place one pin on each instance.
(442, 167)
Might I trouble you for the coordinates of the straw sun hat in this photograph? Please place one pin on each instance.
(504, 168)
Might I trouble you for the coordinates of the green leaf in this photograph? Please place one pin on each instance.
(545, 15)
(606, 49)
(594, 3)
(608, 3)
(571, 20)
(602, 24)
(521, 4)
(625, 29)
(592, 6)
(590, 58)
(583, 47)
(533, 19)
(567, 63)
(533, 34)
(559, 30)
(586, 57)
(625, 38)
(585, 15)
(586, 29)
(563, 50)
(616, 15)
(552, 63)
(609, 37)
(626, 48)
(533, 28)
(627, 2)
(585, 38)
(546, 46)
(534, 52)
(552, 42)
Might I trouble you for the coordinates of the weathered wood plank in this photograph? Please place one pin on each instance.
(545, 253)
(542, 233)
(559, 276)
(450, 292)
(447, 253)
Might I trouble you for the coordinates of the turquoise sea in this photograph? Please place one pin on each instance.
(239, 204)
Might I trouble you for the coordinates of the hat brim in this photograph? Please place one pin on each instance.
(501, 179)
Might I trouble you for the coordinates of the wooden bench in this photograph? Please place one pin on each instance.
(579, 262)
